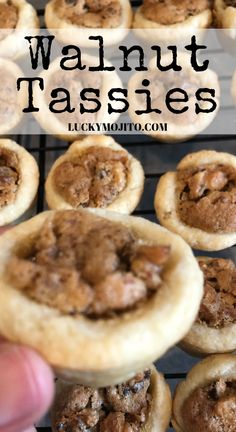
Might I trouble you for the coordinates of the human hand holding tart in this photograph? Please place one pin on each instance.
(95, 172)
(98, 294)
(171, 20)
(206, 400)
(75, 81)
(141, 404)
(16, 17)
(19, 179)
(181, 126)
(214, 331)
(198, 201)
(72, 20)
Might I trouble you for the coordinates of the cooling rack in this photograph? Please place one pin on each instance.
(156, 158)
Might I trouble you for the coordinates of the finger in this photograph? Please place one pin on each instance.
(27, 387)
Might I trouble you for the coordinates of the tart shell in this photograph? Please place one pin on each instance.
(125, 202)
(166, 203)
(225, 17)
(210, 369)
(103, 352)
(28, 186)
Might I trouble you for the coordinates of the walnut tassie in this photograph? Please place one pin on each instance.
(99, 295)
(16, 18)
(171, 20)
(214, 330)
(142, 404)
(19, 178)
(198, 201)
(225, 16)
(206, 400)
(73, 20)
(95, 172)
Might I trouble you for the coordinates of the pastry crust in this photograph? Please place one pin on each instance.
(51, 123)
(14, 45)
(66, 32)
(153, 31)
(160, 410)
(233, 87)
(104, 352)
(28, 186)
(126, 200)
(208, 370)
(166, 200)
(203, 340)
(13, 118)
(225, 17)
(175, 132)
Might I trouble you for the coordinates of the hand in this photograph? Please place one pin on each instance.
(26, 387)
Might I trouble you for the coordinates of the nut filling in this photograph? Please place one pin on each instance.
(9, 176)
(167, 12)
(218, 307)
(8, 15)
(230, 3)
(161, 83)
(93, 178)
(211, 408)
(90, 13)
(85, 264)
(207, 198)
(121, 408)
(74, 82)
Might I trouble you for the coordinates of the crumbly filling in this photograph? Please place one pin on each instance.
(9, 176)
(218, 307)
(90, 13)
(230, 3)
(207, 197)
(92, 179)
(169, 12)
(74, 81)
(8, 15)
(161, 83)
(84, 264)
(8, 96)
(121, 408)
(211, 408)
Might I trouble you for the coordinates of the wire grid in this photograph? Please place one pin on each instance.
(156, 158)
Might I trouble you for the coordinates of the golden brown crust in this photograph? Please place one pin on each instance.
(210, 369)
(86, 351)
(166, 203)
(161, 403)
(13, 46)
(125, 202)
(152, 31)
(175, 131)
(68, 32)
(203, 340)
(27, 189)
(51, 123)
(225, 17)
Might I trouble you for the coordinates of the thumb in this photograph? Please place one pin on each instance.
(26, 387)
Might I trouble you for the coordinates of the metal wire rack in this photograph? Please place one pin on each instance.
(156, 159)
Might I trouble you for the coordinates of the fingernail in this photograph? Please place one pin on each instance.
(26, 386)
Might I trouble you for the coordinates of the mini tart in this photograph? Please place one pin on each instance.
(146, 395)
(68, 31)
(19, 177)
(97, 350)
(225, 16)
(12, 101)
(215, 329)
(74, 82)
(210, 391)
(218, 231)
(17, 17)
(158, 20)
(116, 184)
(180, 126)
